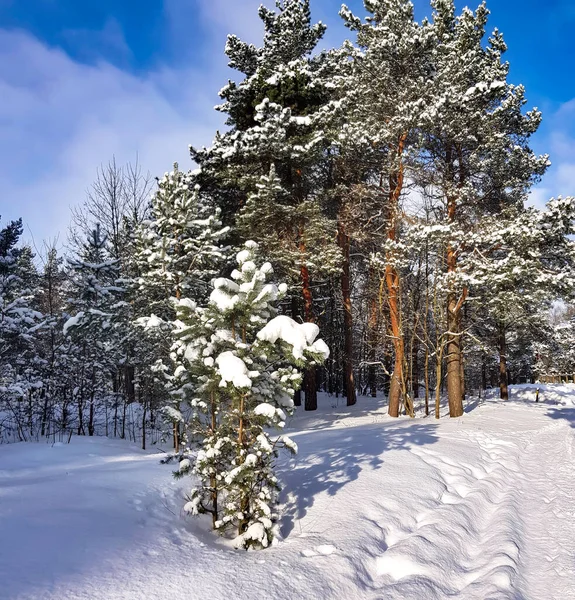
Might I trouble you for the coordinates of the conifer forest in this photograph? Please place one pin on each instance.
(345, 304)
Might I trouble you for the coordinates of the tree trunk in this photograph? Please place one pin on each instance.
(310, 377)
(426, 377)
(344, 243)
(372, 337)
(461, 358)
(438, 365)
(91, 417)
(176, 436)
(454, 358)
(81, 402)
(129, 387)
(144, 406)
(92, 396)
(397, 377)
(503, 380)
(44, 413)
(415, 362)
(295, 316)
(393, 290)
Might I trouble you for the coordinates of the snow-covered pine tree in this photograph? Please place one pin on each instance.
(385, 95)
(557, 355)
(181, 243)
(238, 369)
(57, 352)
(476, 159)
(20, 379)
(294, 235)
(521, 261)
(179, 249)
(94, 304)
(273, 161)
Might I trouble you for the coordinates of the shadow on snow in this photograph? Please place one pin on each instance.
(329, 460)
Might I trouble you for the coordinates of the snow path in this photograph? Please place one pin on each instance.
(480, 508)
(550, 459)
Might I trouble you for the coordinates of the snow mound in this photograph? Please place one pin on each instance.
(301, 337)
(233, 369)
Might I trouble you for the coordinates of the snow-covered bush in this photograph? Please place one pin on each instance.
(238, 369)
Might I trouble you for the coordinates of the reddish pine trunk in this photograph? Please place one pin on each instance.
(372, 328)
(344, 243)
(503, 380)
(310, 378)
(395, 389)
(295, 316)
(454, 357)
(392, 281)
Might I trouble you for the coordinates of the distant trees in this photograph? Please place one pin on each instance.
(20, 363)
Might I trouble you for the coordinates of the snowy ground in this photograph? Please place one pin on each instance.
(477, 508)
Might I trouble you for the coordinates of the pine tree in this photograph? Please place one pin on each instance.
(475, 147)
(20, 379)
(272, 162)
(521, 261)
(385, 94)
(95, 301)
(180, 246)
(179, 250)
(238, 370)
(56, 371)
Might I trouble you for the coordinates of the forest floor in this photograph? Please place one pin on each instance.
(481, 507)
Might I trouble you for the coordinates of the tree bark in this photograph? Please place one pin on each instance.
(503, 380)
(176, 436)
(310, 377)
(295, 316)
(144, 407)
(438, 377)
(415, 368)
(344, 243)
(91, 413)
(393, 290)
(372, 336)
(454, 358)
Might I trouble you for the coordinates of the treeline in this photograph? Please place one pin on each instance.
(386, 182)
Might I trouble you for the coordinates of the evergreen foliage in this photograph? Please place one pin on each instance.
(238, 370)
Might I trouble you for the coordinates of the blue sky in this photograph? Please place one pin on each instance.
(83, 81)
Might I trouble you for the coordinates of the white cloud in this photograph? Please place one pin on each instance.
(62, 119)
(560, 143)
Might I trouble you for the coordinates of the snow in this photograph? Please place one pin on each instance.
(300, 336)
(254, 532)
(242, 256)
(73, 321)
(223, 301)
(148, 322)
(233, 369)
(184, 464)
(469, 509)
(265, 410)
